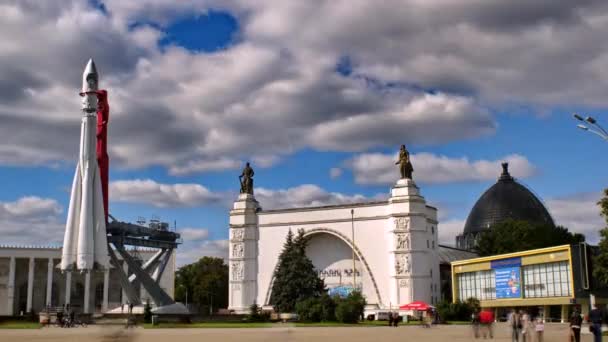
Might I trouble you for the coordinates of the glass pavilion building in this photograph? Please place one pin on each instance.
(549, 281)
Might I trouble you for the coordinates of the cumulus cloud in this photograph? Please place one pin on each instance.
(150, 192)
(580, 213)
(306, 195)
(194, 234)
(190, 252)
(32, 220)
(379, 168)
(448, 230)
(261, 98)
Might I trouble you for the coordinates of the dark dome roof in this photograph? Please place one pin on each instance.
(506, 199)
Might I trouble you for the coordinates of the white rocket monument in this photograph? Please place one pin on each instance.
(85, 242)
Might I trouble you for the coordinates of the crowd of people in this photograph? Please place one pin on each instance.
(526, 328)
(483, 323)
(66, 317)
(595, 319)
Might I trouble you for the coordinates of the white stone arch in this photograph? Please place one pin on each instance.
(348, 242)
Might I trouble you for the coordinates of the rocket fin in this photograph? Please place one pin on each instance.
(70, 239)
(101, 257)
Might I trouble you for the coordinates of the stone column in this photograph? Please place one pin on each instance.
(412, 264)
(30, 285)
(49, 282)
(243, 253)
(106, 283)
(124, 298)
(68, 287)
(11, 286)
(565, 313)
(87, 292)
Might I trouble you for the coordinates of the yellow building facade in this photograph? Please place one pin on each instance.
(548, 281)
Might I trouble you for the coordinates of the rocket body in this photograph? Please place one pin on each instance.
(85, 239)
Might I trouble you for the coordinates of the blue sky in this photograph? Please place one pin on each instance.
(316, 97)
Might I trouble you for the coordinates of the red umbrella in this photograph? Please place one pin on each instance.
(417, 305)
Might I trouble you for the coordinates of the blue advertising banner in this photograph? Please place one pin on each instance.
(508, 278)
(508, 282)
(340, 291)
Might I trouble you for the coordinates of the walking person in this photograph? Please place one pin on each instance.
(390, 319)
(576, 321)
(526, 326)
(595, 323)
(396, 319)
(475, 323)
(486, 318)
(515, 324)
(539, 328)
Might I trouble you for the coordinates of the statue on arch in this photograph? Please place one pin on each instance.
(405, 165)
(246, 179)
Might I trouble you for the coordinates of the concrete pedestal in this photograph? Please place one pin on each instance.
(243, 253)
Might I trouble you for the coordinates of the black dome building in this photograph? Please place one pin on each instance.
(507, 199)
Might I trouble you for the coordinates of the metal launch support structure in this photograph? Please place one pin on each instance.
(157, 235)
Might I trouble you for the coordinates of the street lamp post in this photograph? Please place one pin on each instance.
(352, 226)
(599, 130)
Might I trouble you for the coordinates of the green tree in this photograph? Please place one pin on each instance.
(600, 262)
(514, 235)
(205, 282)
(295, 278)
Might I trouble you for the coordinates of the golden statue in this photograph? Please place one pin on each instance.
(405, 165)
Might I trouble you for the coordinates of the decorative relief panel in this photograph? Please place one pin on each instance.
(403, 241)
(403, 283)
(237, 270)
(238, 234)
(236, 287)
(402, 223)
(402, 264)
(238, 250)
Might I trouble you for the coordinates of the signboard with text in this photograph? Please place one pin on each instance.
(507, 278)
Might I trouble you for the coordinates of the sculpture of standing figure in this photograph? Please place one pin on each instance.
(405, 166)
(246, 179)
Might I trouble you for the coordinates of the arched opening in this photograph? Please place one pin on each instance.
(332, 255)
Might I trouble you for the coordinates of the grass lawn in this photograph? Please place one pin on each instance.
(20, 325)
(276, 325)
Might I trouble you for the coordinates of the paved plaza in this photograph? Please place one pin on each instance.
(555, 332)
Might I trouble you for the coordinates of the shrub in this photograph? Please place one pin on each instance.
(328, 308)
(309, 310)
(458, 311)
(350, 309)
(257, 315)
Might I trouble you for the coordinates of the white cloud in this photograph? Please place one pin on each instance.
(379, 168)
(448, 230)
(185, 111)
(195, 166)
(156, 194)
(193, 234)
(335, 172)
(192, 251)
(32, 220)
(306, 195)
(579, 213)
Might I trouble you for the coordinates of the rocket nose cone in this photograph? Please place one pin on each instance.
(90, 77)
